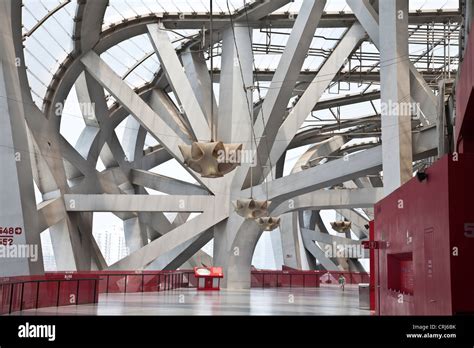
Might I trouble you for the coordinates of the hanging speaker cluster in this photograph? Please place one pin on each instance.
(268, 223)
(251, 208)
(211, 159)
(341, 226)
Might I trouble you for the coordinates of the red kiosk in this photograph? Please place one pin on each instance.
(208, 278)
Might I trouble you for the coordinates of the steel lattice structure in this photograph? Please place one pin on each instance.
(341, 168)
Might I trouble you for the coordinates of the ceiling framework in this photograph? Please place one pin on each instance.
(285, 79)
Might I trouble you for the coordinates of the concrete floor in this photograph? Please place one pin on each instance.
(327, 300)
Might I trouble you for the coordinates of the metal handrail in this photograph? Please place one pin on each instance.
(13, 283)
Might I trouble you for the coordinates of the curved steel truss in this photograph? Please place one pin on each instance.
(270, 108)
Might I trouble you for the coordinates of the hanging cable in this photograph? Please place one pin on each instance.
(243, 80)
(214, 158)
(211, 53)
(252, 133)
(250, 208)
(257, 84)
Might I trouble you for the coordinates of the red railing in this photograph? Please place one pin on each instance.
(351, 277)
(21, 293)
(305, 279)
(142, 281)
(286, 278)
(139, 281)
(72, 288)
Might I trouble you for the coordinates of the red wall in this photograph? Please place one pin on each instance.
(461, 211)
(400, 273)
(426, 220)
(373, 273)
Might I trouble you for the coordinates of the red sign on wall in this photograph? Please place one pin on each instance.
(370, 244)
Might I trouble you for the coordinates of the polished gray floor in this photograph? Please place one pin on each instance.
(327, 300)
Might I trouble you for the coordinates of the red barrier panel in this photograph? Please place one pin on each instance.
(21, 293)
(311, 281)
(270, 280)
(87, 292)
(115, 283)
(15, 302)
(134, 283)
(103, 285)
(284, 280)
(296, 278)
(67, 292)
(150, 283)
(30, 295)
(256, 279)
(68, 288)
(48, 293)
(192, 280)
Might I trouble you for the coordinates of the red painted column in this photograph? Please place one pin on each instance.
(372, 281)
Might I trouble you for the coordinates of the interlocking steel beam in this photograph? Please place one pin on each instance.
(236, 80)
(421, 93)
(179, 82)
(193, 228)
(316, 251)
(50, 212)
(395, 90)
(138, 203)
(340, 170)
(310, 97)
(165, 184)
(330, 19)
(274, 106)
(17, 198)
(331, 199)
(165, 135)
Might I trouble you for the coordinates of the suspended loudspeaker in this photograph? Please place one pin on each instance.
(213, 159)
(251, 208)
(341, 226)
(268, 223)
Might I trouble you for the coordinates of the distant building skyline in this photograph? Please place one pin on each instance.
(111, 243)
